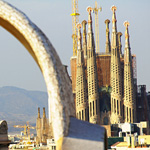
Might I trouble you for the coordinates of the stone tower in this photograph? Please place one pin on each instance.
(107, 45)
(129, 93)
(44, 127)
(38, 128)
(81, 86)
(116, 75)
(93, 95)
(119, 43)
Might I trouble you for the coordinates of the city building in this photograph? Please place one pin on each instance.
(142, 104)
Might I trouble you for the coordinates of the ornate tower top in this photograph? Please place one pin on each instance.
(126, 24)
(44, 115)
(114, 8)
(107, 45)
(84, 22)
(79, 26)
(107, 21)
(79, 36)
(38, 112)
(114, 27)
(127, 43)
(119, 34)
(90, 42)
(79, 55)
(89, 10)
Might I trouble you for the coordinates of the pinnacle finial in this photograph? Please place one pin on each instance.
(107, 21)
(79, 36)
(84, 22)
(107, 46)
(126, 24)
(79, 26)
(119, 34)
(38, 112)
(44, 115)
(89, 9)
(113, 8)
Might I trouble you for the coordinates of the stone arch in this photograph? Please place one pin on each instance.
(58, 84)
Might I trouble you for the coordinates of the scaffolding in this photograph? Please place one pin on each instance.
(75, 19)
(95, 10)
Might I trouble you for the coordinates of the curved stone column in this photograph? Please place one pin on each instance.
(59, 89)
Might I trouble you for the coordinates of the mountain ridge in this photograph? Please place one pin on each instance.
(18, 105)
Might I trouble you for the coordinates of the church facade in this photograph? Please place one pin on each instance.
(104, 84)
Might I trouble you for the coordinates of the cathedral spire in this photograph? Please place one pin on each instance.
(114, 27)
(38, 127)
(44, 126)
(116, 75)
(38, 112)
(89, 10)
(90, 43)
(84, 38)
(127, 42)
(129, 92)
(127, 54)
(44, 114)
(81, 87)
(79, 37)
(119, 43)
(107, 46)
(93, 95)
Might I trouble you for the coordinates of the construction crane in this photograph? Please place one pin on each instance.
(26, 129)
(75, 19)
(95, 10)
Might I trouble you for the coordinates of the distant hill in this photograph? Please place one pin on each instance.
(17, 106)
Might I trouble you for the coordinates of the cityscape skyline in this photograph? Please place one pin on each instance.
(106, 106)
(22, 68)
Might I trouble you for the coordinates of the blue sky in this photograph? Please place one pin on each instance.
(53, 18)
